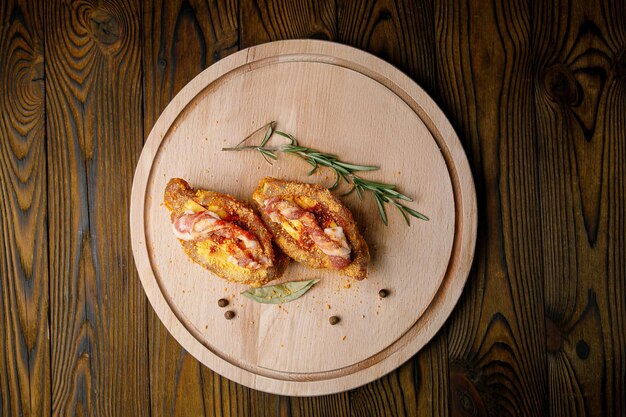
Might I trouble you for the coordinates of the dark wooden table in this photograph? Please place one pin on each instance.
(537, 93)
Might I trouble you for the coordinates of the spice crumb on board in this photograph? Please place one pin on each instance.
(328, 306)
(343, 338)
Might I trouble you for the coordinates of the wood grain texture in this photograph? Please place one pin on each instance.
(580, 108)
(24, 346)
(265, 21)
(97, 308)
(182, 38)
(400, 32)
(496, 337)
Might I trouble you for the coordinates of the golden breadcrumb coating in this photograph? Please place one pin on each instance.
(180, 198)
(317, 199)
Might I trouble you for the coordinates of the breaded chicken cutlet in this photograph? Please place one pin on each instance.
(223, 235)
(312, 226)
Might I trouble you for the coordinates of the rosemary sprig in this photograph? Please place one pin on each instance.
(383, 193)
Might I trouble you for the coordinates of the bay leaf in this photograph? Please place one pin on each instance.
(280, 293)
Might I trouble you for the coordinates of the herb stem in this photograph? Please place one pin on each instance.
(383, 193)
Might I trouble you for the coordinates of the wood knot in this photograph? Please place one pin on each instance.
(385, 15)
(319, 35)
(467, 403)
(104, 27)
(37, 72)
(561, 85)
(554, 337)
(582, 349)
(619, 66)
(466, 399)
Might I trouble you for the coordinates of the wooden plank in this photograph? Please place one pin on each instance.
(264, 21)
(496, 338)
(97, 308)
(327, 405)
(401, 33)
(24, 344)
(431, 378)
(181, 39)
(580, 110)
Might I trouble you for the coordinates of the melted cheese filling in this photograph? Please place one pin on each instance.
(222, 237)
(306, 223)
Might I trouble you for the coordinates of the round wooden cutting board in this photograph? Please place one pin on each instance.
(335, 99)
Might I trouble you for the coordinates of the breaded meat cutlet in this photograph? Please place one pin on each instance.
(223, 235)
(312, 226)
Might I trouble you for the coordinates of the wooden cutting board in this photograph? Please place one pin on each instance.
(335, 99)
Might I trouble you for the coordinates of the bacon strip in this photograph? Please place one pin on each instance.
(330, 241)
(208, 225)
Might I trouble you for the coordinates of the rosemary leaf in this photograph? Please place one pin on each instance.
(336, 183)
(288, 136)
(395, 194)
(357, 167)
(294, 149)
(268, 134)
(406, 218)
(266, 158)
(374, 184)
(250, 135)
(381, 208)
(415, 213)
(269, 154)
(359, 192)
(312, 171)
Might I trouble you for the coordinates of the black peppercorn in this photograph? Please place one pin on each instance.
(334, 320)
(229, 314)
(222, 302)
(383, 293)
